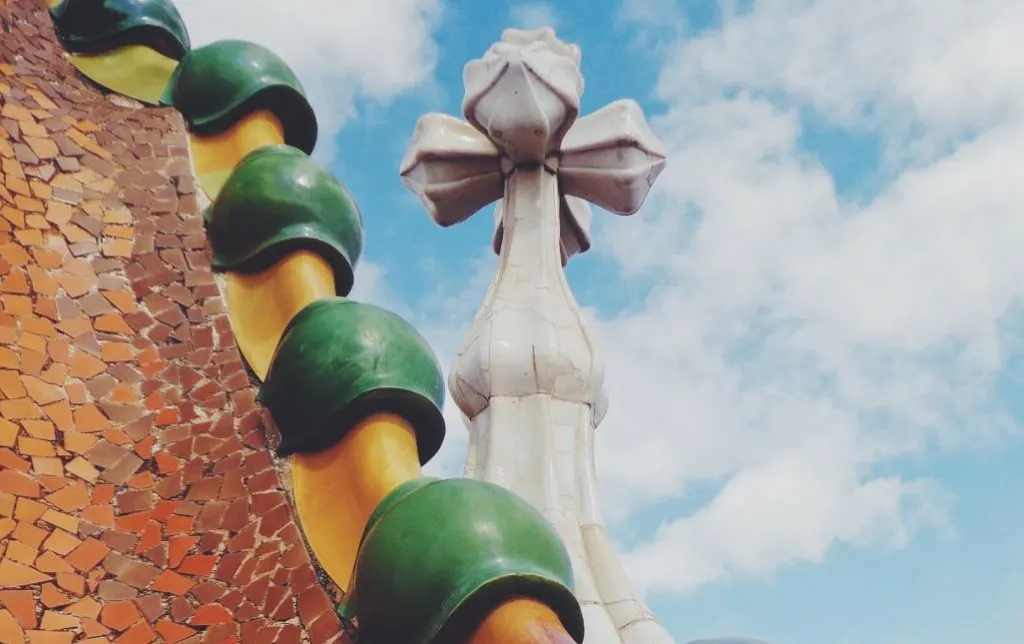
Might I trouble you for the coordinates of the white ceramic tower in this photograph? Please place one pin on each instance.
(529, 378)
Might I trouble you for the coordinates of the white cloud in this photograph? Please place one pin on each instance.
(340, 49)
(799, 345)
(533, 15)
(797, 340)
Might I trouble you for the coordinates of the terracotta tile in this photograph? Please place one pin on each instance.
(124, 300)
(89, 418)
(28, 510)
(141, 633)
(78, 443)
(113, 323)
(76, 327)
(54, 621)
(119, 615)
(10, 630)
(102, 493)
(211, 614)
(22, 606)
(71, 498)
(88, 555)
(11, 385)
(71, 582)
(16, 575)
(85, 607)
(61, 415)
(52, 597)
(85, 366)
(171, 582)
(82, 469)
(100, 515)
(172, 632)
(61, 542)
(20, 553)
(40, 429)
(19, 409)
(49, 637)
(6, 527)
(19, 484)
(35, 447)
(50, 563)
(8, 433)
(41, 392)
(10, 460)
(47, 466)
(29, 534)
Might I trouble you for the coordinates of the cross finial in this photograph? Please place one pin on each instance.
(529, 378)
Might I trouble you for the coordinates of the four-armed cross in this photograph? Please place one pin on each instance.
(529, 378)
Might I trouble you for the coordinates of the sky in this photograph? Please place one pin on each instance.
(812, 328)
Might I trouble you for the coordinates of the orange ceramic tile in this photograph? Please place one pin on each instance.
(10, 630)
(10, 460)
(141, 633)
(78, 443)
(85, 607)
(18, 484)
(85, 366)
(172, 632)
(60, 415)
(173, 583)
(19, 409)
(82, 469)
(102, 493)
(88, 555)
(21, 605)
(29, 534)
(8, 433)
(70, 498)
(124, 300)
(61, 542)
(119, 615)
(75, 327)
(49, 637)
(50, 563)
(47, 468)
(113, 323)
(35, 447)
(19, 552)
(116, 352)
(28, 510)
(71, 582)
(52, 597)
(54, 621)
(100, 515)
(17, 575)
(89, 418)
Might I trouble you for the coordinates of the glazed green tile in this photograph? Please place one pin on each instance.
(340, 361)
(97, 26)
(463, 547)
(217, 85)
(278, 200)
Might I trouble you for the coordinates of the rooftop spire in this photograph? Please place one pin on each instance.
(529, 377)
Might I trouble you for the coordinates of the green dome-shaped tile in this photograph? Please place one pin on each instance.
(340, 361)
(441, 555)
(97, 26)
(276, 200)
(217, 85)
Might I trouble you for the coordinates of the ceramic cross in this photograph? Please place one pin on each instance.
(529, 379)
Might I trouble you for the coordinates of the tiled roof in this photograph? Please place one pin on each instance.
(138, 499)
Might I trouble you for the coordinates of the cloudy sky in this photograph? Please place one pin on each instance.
(813, 327)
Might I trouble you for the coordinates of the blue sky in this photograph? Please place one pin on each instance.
(813, 325)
